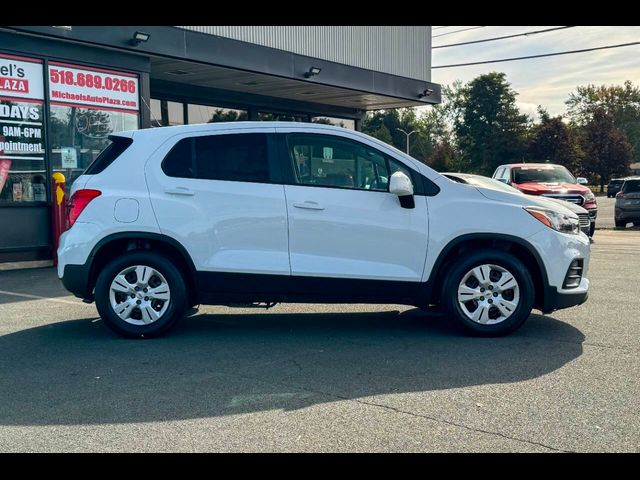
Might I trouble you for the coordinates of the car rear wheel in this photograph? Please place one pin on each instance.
(620, 223)
(488, 293)
(140, 294)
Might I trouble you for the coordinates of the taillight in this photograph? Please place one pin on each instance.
(79, 201)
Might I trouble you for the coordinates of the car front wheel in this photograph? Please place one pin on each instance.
(140, 294)
(488, 293)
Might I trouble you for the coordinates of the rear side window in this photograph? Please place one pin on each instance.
(108, 155)
(631, 186)
(237, 157)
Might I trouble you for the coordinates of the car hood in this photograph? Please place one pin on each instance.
(535, 188)
(532, 201)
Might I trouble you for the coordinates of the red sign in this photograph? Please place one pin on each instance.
(93, 87)
(21, 77)
(8, 84)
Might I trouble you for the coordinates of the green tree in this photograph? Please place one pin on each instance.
(490, 129)
(222, 115)
(553, 141)
(439, 120)
(385, 124)
(443, 157)
(622, 102)
(607, 151)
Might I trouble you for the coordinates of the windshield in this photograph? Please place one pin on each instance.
(557, 174)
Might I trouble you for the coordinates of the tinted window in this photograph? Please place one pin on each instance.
(239, 157)
(631, 186)
(328, 161)
(107, 156)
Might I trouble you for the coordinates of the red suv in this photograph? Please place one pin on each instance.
(550, 180)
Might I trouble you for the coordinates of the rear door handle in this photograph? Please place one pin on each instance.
(180, 191)
(308, 205)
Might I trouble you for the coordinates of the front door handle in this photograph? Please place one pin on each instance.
(180, 191)
(309, 205)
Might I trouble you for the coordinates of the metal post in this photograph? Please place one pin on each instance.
(408, 135)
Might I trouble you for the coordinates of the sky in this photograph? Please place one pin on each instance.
(542, 81)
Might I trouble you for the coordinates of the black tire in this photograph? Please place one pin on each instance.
(177, 303)
(620, 223)
(592, 229)
(449, 295)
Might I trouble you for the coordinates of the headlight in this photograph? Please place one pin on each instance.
(589, 197)
(552, 219)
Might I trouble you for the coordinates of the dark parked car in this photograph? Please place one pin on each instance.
(486, 182)
(628, 203)
(614, 187)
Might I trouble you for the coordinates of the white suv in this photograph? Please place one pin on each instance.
(263, 212)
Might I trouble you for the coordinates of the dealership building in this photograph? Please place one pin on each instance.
(65, 89)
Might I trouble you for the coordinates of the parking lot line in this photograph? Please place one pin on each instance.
(38, 297)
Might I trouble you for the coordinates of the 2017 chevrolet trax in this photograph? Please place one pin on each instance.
(264, 212)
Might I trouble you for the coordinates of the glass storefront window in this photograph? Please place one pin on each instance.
(338, 122)
(79, 134)
(175, 113)
(156, 113)
(22, 167)
(209, 114)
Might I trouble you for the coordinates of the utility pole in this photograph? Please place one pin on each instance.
(408, 135)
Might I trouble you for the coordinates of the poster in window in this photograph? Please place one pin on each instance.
(21, 128)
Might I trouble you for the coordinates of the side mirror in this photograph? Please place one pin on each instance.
(582, 181)
(400, 185)
(503, 180)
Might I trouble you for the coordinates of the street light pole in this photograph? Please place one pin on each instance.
(408, 135)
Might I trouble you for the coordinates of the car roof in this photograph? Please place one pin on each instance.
(240, 125)
(534, 165)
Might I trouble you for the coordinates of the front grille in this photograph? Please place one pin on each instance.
(575, 198)
(574, 274)
(585, 222)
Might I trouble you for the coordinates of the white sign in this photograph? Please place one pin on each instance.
(93, 87)
(21, 77)
(69, 157)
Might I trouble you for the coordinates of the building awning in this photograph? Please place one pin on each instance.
(202, 61)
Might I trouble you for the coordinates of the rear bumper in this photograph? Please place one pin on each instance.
(629, 214)
(75, 278)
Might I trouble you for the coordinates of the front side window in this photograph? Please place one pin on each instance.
(236, 157)
(327, 161)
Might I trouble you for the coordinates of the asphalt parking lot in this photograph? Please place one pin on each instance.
(324, 378)
(606, 210)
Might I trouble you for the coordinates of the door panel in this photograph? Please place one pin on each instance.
(357, 234)
(226, 226)
(343, 222)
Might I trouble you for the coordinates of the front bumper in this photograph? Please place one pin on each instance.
(557, 252)
(557, 300)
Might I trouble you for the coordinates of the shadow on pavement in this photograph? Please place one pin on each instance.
(76, 372)
(31, 281)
